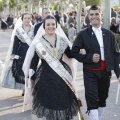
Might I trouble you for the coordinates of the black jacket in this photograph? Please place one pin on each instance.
(87, 40)
(37, 27)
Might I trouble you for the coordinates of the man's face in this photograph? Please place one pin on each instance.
(95, 18)
(45, 13)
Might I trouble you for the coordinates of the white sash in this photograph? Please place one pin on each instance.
(25, 37)
(54, 63)
(5, 22)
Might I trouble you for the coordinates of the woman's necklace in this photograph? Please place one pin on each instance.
(26, 28)
(53, 45)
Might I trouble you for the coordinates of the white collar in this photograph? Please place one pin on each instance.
(94, 29)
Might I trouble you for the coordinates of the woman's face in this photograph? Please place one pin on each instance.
(26, 19)
(50, 26)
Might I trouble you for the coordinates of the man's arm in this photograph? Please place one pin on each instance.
(116, 58)
(78, 44)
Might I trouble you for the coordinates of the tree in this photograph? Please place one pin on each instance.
(24, 1)
(43, 2)
(12, 3)
(92, 2)
(2, 5)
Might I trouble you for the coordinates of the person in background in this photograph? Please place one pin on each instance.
(118, 21)
(22, 36)
(70, 19)
(45, 12)
(4, 24)
(57, 16)
(113, 25)
(71, 32)
(113, 13)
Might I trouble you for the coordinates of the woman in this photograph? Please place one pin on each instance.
(22, 36)
(4, 24)
(54, 96)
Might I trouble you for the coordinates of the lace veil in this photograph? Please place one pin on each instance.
(31, 50)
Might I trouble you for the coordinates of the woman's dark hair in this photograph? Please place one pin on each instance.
(49, 17)
(70, 14)
(32, 16)
(71, 25)
(24, 15)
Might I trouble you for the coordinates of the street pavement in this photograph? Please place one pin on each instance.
(11, 100)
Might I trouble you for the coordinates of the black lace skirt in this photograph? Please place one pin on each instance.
(52, 98)
(17, 71)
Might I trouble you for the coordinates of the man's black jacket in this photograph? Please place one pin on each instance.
(37, 27)
(87, 40)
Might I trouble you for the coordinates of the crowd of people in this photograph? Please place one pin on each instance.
(42, 58)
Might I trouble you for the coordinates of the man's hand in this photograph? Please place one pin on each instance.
(82, 51)
(96, 58)
(119, 80)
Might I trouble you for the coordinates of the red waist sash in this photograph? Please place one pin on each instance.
(103, 67)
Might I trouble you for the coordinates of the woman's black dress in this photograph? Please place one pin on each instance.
(19, 49)
(52, 98)
(3, 25)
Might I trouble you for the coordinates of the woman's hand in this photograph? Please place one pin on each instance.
(26, 82)
(14, 57)
(82, 51)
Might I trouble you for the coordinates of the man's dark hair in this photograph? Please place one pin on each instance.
(56, 12)
(49, 17)
(94, 7)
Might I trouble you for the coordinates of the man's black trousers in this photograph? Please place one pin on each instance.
(96, 84)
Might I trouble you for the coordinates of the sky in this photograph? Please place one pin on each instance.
(114, 2)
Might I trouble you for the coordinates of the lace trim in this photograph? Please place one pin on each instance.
(66, 114)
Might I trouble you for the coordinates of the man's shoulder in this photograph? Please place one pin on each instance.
(38, 25)
(107, 31)
(84, 31)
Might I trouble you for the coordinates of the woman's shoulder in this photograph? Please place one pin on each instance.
(18, 27)
(32, 27)
(62, 38)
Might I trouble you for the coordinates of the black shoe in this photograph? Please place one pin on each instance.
(23, 92)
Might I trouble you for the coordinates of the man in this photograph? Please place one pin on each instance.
(113, 13)
(45, 12)
(102, 56)
(57, 16)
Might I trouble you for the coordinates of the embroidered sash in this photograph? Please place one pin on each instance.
(23, 34)
(55, 64)
(5, 22)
